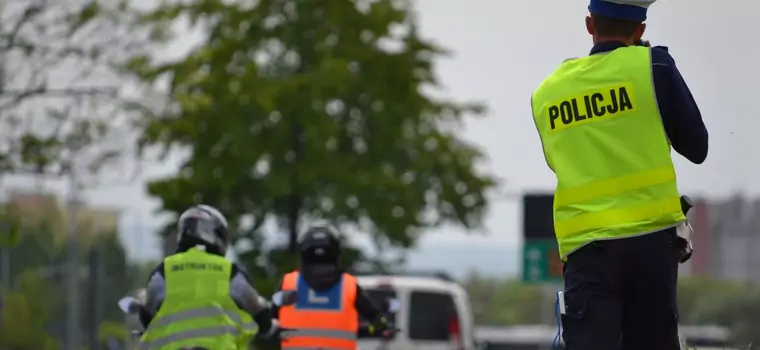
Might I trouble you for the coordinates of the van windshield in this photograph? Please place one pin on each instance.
(379, 296)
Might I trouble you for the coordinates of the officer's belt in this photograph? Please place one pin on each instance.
(318, 333)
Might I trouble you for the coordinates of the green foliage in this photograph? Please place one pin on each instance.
(733, 305)
(108, 255)
(740, 315)
(312, 109)
(10, 230)
(697, 297)
(25, 315)
(117, 330)
(36, 251)
(36, 282)
(504, 302)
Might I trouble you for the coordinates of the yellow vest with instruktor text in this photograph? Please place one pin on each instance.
(198, 310)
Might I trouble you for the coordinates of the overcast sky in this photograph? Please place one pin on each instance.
(503, 51)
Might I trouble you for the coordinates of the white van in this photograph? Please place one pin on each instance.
(434, 313)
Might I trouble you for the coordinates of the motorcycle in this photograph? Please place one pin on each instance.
(134, 306)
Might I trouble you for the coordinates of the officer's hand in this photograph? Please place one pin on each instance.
(646, 43)
(642, 42)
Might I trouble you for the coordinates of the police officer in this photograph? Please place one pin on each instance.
(607, 122)
(326, 314)
(197, 298)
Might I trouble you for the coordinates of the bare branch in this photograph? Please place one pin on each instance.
(17, 96)
(59, 98)
(28, 15)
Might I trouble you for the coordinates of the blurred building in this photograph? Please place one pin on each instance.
(726, 240)
(33, 208)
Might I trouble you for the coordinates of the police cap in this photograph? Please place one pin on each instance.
(631, 10)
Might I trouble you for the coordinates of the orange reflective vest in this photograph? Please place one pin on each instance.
(320, 319)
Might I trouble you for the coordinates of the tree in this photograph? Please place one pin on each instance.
(10, 229)
(739, 315)
(26, 314)
(38, 257)
(57, 87)
(108, 280)
(37, 253)
(306, 109)
(732, 305)
(698, 296)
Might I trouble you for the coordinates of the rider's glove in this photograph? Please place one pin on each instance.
(273, 331)
(382, 326)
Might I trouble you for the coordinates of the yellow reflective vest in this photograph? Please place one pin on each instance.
(198, 310)
(603, 137)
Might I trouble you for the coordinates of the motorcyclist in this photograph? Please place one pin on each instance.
(196, 297)
(330, 301)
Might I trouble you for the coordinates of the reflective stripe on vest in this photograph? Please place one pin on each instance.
(319, 333)
(320, 320)
(602, 136)
(312, 348)
(201, 313)
(198, 309)
(190, 335)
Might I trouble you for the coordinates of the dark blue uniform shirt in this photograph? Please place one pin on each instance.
(680, 114)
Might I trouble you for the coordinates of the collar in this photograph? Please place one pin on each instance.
(606, 46)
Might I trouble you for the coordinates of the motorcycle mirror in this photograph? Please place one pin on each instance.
(129, 305)
(285, 297)
(394, 305)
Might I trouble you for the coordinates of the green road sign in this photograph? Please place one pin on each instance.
(541, 262)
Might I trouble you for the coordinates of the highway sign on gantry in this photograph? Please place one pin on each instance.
(541, 262)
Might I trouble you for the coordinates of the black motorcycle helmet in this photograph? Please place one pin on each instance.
(206, 226)
(319, 244)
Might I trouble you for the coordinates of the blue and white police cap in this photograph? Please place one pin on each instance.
(632, 10)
